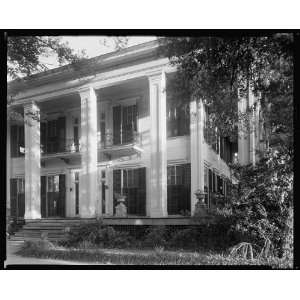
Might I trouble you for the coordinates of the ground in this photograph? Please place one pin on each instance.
(13, 259)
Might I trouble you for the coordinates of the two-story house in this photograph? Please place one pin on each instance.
(109, 128)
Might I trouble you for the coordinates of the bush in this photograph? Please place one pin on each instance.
(184, 238)
(96, 234)
(260, 207)
(156, 236)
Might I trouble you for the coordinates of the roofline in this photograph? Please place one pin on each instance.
(106, 60)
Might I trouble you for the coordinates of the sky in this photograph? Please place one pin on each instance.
(93, 45)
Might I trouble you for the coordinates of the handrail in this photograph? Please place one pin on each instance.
(60, 146)
(108, 140)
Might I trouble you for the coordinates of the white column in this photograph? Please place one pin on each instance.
(32, 162)
(252, 132)
(158, 156)
(243, 135)
(197, 149)
(8, 167)
(88, 145)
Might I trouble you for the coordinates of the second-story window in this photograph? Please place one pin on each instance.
(178, 117)
(53, 136)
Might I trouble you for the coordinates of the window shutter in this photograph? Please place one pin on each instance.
(117, 124)
(21, 200)
(141, 191)
(43, 137)
(61, 133)
(14, 141)
(62, 195)
(13, 197)
(43, 197)
(116, 185)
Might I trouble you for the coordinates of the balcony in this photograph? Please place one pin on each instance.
(123, 143)
(60, 148)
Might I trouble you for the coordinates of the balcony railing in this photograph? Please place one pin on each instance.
(60, 146)
(122, 138)
(107, 141)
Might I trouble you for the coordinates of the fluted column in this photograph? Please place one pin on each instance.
(88, 145)
(32, 161)
(197, 149)
(243, 133)
(158, 133)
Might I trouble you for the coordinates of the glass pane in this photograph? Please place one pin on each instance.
(76, 176)
(50, 184)
(56, 183)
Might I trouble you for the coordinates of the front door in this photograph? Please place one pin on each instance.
(53, 196)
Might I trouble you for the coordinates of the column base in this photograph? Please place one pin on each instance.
(156, 213)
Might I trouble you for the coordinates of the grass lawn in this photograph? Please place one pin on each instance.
(157, 256)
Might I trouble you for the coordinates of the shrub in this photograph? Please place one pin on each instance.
(97, 234)
(261, 204)
(156, 236)
(184, 238)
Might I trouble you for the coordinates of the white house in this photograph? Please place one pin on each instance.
(109, 128)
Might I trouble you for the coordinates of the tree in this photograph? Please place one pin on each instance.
(221, 70)
(24, 54)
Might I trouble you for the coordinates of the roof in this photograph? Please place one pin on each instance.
(87, 67)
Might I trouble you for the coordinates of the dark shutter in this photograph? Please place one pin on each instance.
(62, 195)
(117, 125)
(43, 197)
(21, 140)
(21, 200)
(220, 185)
(116, 185)
(13, 197)
(14, 141)
(44, 136)
(210, 180)
(61, 133)
(141, 207)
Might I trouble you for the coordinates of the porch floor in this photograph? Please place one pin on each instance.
(130, 220)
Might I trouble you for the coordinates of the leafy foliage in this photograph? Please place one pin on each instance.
(220, 70)
(261, 204)
(24, 54)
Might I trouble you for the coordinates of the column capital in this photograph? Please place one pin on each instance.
(31, 106)
(86, 91)
(156, 75)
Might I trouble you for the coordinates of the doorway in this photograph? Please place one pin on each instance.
(53, 191)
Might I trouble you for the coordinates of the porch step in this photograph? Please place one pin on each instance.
(53, 228)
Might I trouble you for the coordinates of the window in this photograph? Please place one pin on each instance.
(53, 183)
(178, 118)
(17, 140)
(131, 183)
(179, 189)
